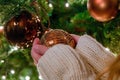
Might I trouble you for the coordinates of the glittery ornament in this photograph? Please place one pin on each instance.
(23, 28)
(102, 10)
(56, 36)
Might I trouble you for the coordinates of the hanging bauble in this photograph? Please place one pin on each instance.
(56, 36)
(102, 10)
(23, 28)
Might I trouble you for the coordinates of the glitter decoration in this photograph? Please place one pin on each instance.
(56, 36)
(23, 28)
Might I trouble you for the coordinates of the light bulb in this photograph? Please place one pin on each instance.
(50, 5)
(27, 78)
(12, 71)
(67, 5)
(3, 77)
(1, 27)
(107, 49)
(2, 61)
(40, 77)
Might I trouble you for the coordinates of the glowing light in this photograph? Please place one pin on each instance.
(12, 71)
(1, 27)
(107, 49)
(13, 48)
(27, 78)
(50, 5)
(67, 5)
(40, 77)
(3, 77)
(2, 61)
(27, 45)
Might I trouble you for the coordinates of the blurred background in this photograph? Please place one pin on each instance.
(72, 16)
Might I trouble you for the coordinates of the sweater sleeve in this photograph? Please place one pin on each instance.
(61, 62)
(95, 54)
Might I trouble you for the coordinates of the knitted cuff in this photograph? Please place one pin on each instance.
(95, 54)
(61, 62)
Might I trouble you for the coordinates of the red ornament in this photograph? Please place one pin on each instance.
(23, 28)
(102, 10)
(56, 36)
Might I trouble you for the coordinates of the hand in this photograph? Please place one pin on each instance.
(75, 37)
(37, 50)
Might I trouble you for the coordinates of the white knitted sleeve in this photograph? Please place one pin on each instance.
(61, 62)
(95, 54)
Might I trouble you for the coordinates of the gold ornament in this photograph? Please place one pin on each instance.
(56, 36)
(22, 29)
(102, 10)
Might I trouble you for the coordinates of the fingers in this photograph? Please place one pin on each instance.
(35, 56)
(76, 37)
(37, 50)
(36, 41)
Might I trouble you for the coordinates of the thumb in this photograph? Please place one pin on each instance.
(37, 51)
(75, 37)
(36, 41)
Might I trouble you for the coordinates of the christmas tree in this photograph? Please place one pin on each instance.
(69, 15)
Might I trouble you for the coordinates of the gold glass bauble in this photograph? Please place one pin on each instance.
(56, 36)
(22, 29)
(102, 10)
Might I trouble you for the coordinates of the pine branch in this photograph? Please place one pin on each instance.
(11, 8)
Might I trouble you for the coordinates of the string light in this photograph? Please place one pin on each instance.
(67, 5)
(12, 71)
(40, 77)
(50, 5)
(2, 61)
(27, 78)
(3, 77)
(107, 49)
(13, 48)
(1, 27)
